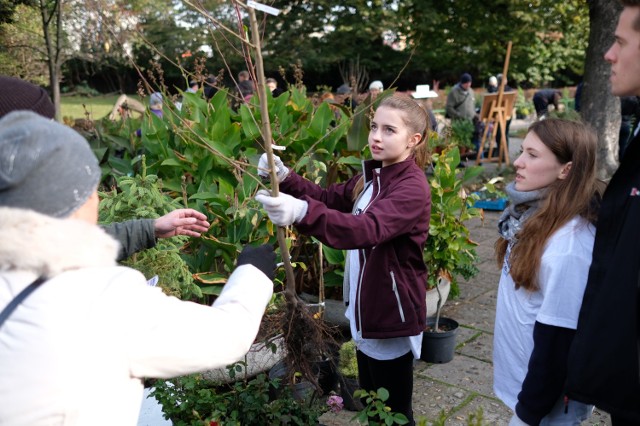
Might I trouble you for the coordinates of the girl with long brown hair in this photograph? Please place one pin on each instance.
(544, 249)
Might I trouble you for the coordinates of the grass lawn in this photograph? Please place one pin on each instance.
(97, 106)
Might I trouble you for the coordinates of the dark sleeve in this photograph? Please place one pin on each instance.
(547, 372)
(401, 210)
(433, 120)
(337, 196)
(133, 235)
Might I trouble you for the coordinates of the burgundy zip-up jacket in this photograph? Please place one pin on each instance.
(390, 234)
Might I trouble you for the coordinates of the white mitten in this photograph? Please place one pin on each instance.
(263, 168)
(284, 209)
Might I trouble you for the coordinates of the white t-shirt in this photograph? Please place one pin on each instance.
(564, 269)
(380, 349)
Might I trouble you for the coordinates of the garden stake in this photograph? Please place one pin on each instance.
(306, 339)
(290, 288)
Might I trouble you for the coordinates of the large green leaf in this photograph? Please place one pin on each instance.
(359, 132)
(249, 125)
(320, 121)
(333, 256)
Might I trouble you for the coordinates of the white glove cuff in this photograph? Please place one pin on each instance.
(301, 210)
(282, 173)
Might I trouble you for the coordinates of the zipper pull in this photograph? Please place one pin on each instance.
(566, 404)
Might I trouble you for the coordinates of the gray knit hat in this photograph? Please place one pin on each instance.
(44, 166)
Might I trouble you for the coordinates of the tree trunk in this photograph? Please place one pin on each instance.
(598, 106)
(53, 43)
(57, 61)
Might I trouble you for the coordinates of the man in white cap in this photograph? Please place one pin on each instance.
(493, 84)
(375, 88)
(424, 95)
(78, 334)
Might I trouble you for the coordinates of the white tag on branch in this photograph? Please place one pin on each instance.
(153, 281)
(278, 147)
(263, 7)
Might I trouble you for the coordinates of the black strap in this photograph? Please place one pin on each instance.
(462, 101)
(19, 298)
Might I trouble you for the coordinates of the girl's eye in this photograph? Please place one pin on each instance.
(373, 127)
(529, 153)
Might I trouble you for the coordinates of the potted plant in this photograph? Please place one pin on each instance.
(490, 197)
(348, 376)
(461, 134)
(449, 252)
(439, 337)
(192, 399)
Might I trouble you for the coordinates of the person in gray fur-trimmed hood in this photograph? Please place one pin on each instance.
(75, 350)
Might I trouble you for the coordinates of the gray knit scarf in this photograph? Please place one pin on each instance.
(521, 206)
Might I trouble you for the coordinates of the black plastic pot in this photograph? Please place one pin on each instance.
(439, 348)
(348, 386)
(326, 370)
(301, 391)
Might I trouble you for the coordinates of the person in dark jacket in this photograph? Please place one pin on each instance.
(345, 96)
(604, 359)
(133, 235)
(545, 97)
(382, 218)
(629, 112)
(544, 249)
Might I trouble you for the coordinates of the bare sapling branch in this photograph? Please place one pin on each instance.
(290, 289)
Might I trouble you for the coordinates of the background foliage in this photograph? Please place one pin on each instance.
(105, 41)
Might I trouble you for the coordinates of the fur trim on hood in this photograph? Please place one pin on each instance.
(48, 246)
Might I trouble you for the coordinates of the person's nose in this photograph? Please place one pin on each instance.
(610, 56)
(374, 135)
(518, 163)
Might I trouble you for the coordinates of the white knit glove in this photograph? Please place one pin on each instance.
(284, 209)
(263, 168)
(515, 421)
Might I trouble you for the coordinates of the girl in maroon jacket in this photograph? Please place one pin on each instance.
(381, 217)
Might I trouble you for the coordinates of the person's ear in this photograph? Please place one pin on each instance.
(565, 171)
(414, 140)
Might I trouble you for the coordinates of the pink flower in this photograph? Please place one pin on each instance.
(335, 403)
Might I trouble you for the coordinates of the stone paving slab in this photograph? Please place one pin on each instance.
(480, 347)
(487, 262)
(474, 287)
(463, 372)
(491, 411)
(433, 400)
(465, 335)
(473, 315)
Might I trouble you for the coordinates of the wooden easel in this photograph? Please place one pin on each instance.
(497, 109)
